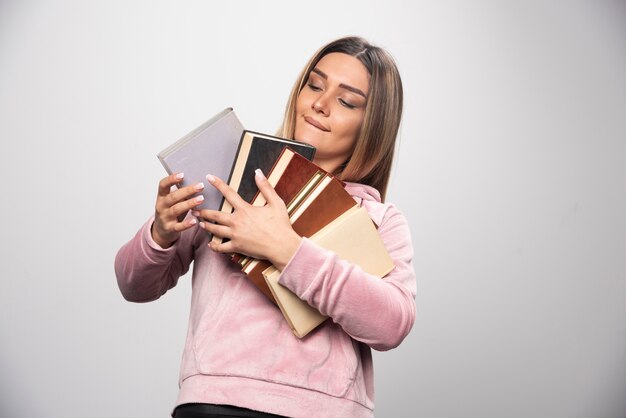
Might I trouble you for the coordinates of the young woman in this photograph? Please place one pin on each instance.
(240, 356)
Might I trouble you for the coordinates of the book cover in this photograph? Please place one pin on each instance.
(322, 204)
(291, 176)
(257, 150)
(354, 238)
(288, 176)
(208, 149)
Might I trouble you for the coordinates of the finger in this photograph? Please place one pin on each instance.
(185, 224)
(182, 194)
(229, 194)
(221, 218)
(181, 208)
(166, 183)
(266, 189)
(221, 231)
(222, 247)
(172, 229)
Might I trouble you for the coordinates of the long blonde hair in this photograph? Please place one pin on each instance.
(372, 157)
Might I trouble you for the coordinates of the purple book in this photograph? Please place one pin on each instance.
(208, 149)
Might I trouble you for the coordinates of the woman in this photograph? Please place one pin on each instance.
(240, 357)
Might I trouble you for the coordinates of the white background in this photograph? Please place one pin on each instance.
(511, 170)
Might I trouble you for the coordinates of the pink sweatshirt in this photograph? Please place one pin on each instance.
(239, 349)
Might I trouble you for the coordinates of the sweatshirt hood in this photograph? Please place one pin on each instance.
(363, 192)
(369, 198)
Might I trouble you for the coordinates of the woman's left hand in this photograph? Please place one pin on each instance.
(263, 232)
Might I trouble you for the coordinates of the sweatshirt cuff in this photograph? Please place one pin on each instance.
(304, 268)
(151, 249)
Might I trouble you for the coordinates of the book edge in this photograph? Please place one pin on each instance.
(272, 273)
(184, 140)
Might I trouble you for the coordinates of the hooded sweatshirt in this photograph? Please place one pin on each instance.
(240, 351)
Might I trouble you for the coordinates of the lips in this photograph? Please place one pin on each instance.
(316, 124)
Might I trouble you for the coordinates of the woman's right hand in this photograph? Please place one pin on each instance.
(172, 207)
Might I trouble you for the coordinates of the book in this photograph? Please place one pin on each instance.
(316, 207)
(290, 176)
(257, 150)
(208, 149)
(354, 238)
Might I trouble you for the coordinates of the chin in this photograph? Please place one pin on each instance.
(309, 136)
(307, 139)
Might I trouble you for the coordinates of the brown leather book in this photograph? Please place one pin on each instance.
(257, 150)
(290, 175)
(324, 203)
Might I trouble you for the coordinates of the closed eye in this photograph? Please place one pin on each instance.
(314, 87)
(346, 104)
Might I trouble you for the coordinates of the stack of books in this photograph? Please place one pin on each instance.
(322, 210)
(319, 209)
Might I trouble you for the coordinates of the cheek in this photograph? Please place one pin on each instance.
(351, 127)
(299, 103)
(302, 101)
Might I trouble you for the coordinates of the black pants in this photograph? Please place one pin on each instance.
(204, 410)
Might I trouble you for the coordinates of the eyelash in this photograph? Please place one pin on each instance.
(346, 104)
(343, 102)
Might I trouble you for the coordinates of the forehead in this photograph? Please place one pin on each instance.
(344, 69)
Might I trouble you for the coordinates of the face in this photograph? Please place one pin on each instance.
(331, 107)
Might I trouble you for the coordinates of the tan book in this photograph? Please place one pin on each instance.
(354, 238)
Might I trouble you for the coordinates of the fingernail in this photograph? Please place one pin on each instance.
(199, 198)
(210, 178)
(199, 186)
(201, 225)
(193, 221)
(180, 175)
(259, 173)
(195, 213)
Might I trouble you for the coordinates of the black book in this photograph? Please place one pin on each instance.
(257, 150)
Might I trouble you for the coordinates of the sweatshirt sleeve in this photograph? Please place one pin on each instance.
(145, 270)
(378, 312)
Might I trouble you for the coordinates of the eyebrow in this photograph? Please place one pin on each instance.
(342, 85)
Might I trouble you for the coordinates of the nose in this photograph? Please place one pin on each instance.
(320, 105)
